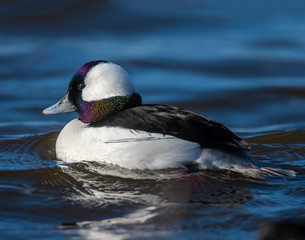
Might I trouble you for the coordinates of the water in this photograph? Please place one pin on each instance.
(241, 63)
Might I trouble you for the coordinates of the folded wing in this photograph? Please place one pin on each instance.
(176, 122)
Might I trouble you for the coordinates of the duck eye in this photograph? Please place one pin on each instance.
(80, 86)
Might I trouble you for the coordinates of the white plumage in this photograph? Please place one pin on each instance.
(106, 80)
(126, 148)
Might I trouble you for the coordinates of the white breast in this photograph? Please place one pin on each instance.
(126, 148)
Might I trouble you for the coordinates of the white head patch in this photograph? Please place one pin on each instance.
(106, 80)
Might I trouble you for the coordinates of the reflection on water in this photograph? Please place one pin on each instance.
(91, 199)
(241, 64)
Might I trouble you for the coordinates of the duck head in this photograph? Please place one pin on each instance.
(98, 89)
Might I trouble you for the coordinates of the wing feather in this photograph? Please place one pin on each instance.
(176, 122)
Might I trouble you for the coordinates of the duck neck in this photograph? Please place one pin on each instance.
(90, 112)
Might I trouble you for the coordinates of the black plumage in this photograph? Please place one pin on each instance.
(177, 122)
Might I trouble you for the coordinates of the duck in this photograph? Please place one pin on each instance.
(115, 127)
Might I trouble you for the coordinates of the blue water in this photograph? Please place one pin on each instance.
(241, 63)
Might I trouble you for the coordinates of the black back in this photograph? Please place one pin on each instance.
(176, 122)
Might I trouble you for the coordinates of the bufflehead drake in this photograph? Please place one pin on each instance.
(115, 128)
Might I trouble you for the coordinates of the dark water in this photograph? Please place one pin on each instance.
(241, 63)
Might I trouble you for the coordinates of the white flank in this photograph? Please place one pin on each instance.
(142, 150)
(126, 148)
